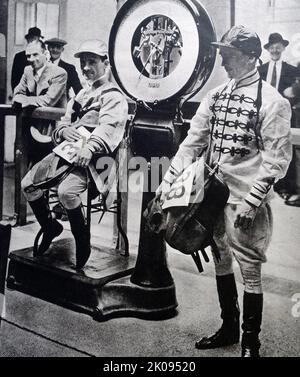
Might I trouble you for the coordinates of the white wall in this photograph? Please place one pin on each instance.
(87, 19)
(265, 17)
(93, 19)
(219, 11)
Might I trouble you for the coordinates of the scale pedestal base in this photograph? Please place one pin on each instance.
(123, 298)
(102, 289)
(53, 276)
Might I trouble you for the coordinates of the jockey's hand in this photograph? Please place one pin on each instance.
(83, 158)
(70, 134)
(162, 192)
(245, 216)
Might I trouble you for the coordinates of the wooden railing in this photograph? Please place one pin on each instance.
(51, 113)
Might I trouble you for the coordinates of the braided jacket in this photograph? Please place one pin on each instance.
(253, 150)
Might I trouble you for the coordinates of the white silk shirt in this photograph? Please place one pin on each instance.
(251, 155)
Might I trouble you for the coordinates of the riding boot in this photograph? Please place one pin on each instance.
(51, 228)
(252, 317)
(81, 234)
(229, 333)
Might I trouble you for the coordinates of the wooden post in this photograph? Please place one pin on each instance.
(123, 175)
(232, 13)
(2, 125)
(20, 171)
(5, 233)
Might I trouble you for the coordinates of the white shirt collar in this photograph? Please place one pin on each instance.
(56, 62)
(278, 62)
(248, 79)
(97, 83)
(37, 74)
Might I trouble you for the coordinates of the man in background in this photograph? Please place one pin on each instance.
(20, 60)
(42, 84)
(277, 72)
(281, 76)
(293, 94)
(56, 48)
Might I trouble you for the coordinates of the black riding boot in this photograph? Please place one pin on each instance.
(229, 333)
(252, 317)
(51, 228)
(81, 234)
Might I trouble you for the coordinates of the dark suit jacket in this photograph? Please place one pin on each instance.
(73, 79)
(19, 63)
(287, 77)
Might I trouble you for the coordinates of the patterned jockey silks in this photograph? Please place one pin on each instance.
(101, 108)
(252, 150)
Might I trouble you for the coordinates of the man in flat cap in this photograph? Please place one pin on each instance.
(103, 110)
(281, 75)
(20, 60)
(56, 48)
(243, 127)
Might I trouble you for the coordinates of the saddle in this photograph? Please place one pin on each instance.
(50, 171)
(190, 229)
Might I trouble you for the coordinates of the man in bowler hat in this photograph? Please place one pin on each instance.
(277, 72)
(281, 76)
(56, 48)
(20, 59)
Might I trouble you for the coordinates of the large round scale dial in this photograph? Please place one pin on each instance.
(160, 49)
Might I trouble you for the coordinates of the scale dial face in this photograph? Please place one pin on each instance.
(155, 48)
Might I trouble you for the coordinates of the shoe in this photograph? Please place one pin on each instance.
(293, 201)
(229, 333)
(251, 351)
(284, 194)
(54, 229)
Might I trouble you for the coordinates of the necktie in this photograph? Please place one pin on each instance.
(274, 77)
(36, 79)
